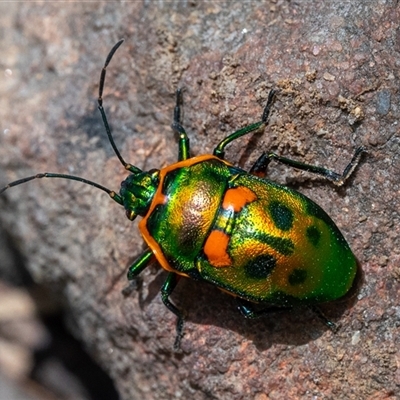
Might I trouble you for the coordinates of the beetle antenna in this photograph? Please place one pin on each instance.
(127, 166)
(111, 193)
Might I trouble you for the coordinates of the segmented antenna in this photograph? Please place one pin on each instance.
(127, 166)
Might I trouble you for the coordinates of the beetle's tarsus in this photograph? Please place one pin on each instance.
(268, 106)
(322, 317)
(179, 333)
(133, 285)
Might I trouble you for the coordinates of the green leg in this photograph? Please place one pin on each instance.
(140, 264)
(219, 151)
(134, 270)
(184, 148)
(166, 290)
(260, 166)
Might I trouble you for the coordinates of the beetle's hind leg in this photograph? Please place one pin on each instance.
(248, 310)
(331, 325)
(166, 290)
(184, 148)
(260, 166)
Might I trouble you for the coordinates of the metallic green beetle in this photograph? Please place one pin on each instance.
(206, 219)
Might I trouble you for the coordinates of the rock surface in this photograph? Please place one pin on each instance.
(335, 65)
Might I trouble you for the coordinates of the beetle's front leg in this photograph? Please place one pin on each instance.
(135, 269)
(166, 290)
(140, 264)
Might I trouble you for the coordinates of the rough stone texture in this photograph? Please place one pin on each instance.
(336, 65)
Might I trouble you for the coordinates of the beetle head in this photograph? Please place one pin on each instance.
(137, 192)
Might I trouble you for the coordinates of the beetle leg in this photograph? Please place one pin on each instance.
(134, 270)
(184, 149)
(166, 290)
(248, 311)
(331, 325)
(260, 166)
(219, 151)
(140, 264)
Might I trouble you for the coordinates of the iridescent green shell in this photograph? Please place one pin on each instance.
(249, 236)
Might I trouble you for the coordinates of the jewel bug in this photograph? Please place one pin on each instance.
(206, 219)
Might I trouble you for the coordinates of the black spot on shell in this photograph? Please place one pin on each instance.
(281, 215)
(297, 277)
(260, 267)
(313, 235)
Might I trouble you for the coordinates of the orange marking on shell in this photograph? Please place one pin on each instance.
(237, 198)
(215, 249)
